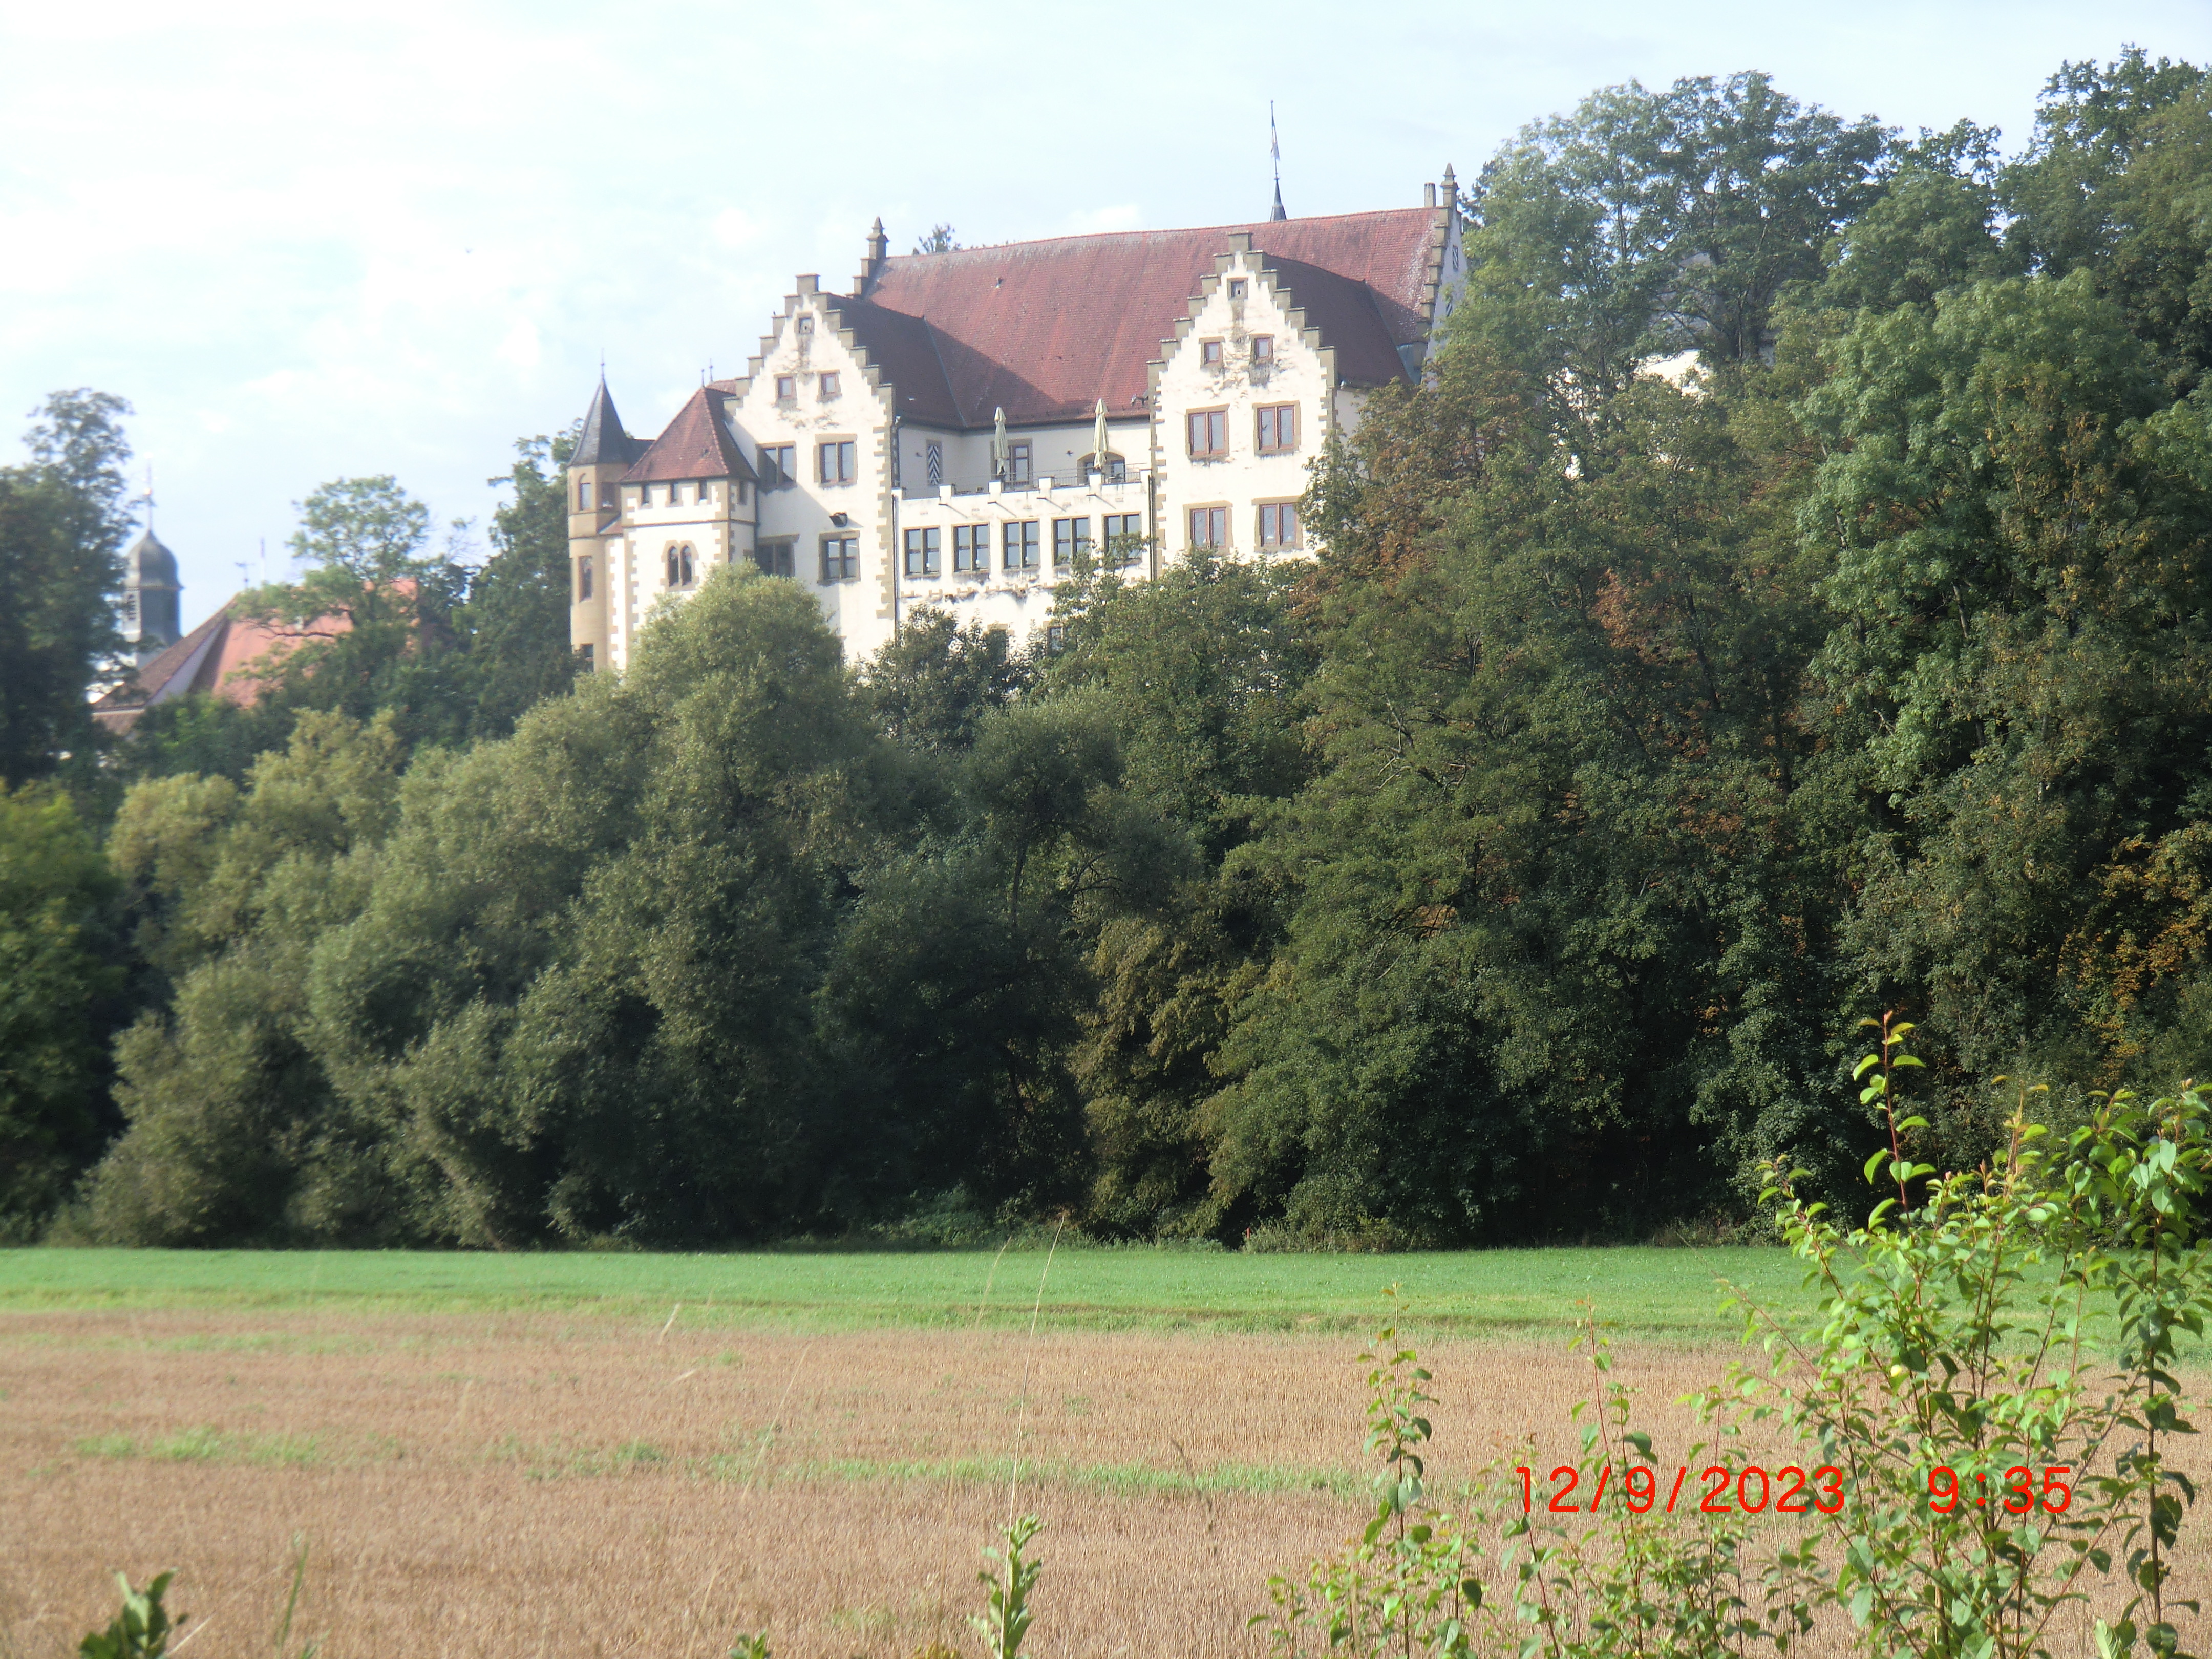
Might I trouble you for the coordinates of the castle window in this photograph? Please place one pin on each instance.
(1209, 433)
(1069, 537)
(777, 558)
(806, 325)
(1209, 526)
(583, 494)
(682, 571)
(787, 388)
(1263, 348)
(706, 494)
(1017, 463)
(1125, 539)
(1279, 524)
(1235, 288)
(841, 559)
(834, 461)
(1278, 425)
(922, 547)
(1209, 353)
(1018, 544)
(972, 549)
(1055, 637)
(779, 464)
(583, 578)
(130, 607)
(933, 457)
(826, 388)
(584, 658)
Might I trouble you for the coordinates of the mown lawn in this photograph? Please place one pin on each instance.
(1668, 1294)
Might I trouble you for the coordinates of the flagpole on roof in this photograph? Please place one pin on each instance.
(1275, 150)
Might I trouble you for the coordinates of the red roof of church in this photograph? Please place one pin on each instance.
(1046, 329)
(697, 445)
(209, 659)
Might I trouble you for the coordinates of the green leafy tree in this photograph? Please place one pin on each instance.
(61, 984)
(62, 526)
(932, 686)
(516, 620)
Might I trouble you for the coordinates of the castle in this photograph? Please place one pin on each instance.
(963, 427)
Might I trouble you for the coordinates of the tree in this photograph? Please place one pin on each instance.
(932, 686)
(517, 616)
(61, 980)
(61, 536)
(940, 241)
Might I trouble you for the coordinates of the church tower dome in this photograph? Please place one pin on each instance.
(151, 593)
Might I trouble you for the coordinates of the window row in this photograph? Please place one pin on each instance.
(1211, 353)
(684, 493)
(827, 387)
(836, 461)
(1021, 545)
(1274, 431)
(1276, 525)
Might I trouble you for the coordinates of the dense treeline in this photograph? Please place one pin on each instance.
(1785, 601)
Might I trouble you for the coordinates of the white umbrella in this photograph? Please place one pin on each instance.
(998, 443)
(1098, 441)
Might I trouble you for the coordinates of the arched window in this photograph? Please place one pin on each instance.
(681, 571)
(1109, 464)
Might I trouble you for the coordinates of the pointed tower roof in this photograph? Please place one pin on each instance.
(1278, 213)
(149, 564)
(603, 442)
(697, 445)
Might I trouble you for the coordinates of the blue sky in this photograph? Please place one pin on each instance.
(309, 243)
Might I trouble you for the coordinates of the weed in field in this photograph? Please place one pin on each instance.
(140, 1630)
(1008, 1615)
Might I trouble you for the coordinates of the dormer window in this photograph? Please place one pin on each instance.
(1263, 348)
(787, 388)
(827, 387)
(1209, 353)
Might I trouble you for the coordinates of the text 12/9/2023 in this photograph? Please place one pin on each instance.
(1792, 1490)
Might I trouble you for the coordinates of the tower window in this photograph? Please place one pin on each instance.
(583, 494)
(130, 607)
(583, 578)
(682, 571)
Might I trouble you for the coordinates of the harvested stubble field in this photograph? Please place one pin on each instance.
(566, 1455)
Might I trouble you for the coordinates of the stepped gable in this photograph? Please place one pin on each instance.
(1045, 329)
(603, 442)
(697, 444)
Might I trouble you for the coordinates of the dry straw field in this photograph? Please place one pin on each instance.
(532, 1476)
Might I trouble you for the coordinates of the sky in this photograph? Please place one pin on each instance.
(309, 243)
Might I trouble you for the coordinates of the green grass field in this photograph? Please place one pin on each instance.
(1670, 1294)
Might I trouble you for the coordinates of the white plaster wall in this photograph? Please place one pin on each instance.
(1018, 601)
(1299, 374)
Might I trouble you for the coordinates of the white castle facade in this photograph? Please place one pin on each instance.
(963, 428)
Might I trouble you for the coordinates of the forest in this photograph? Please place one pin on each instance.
(1786, 601)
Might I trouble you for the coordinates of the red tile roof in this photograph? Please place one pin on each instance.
(1046, 329)
(697, 445)
(209, 659)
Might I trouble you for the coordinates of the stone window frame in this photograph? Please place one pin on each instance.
(828, 386)
(1069, 537)
(847, 451)
(844, 565)
(1131, 536)
(1217, 527)
(1287, 504)
(779, 464)
(583, 578)
(923, 552)
(972, 549)
(1211, 353)
(1021, 461)
(1263, 348)
(682, 567)
(1262, 421)
(776, 557)
(787, 388)
(1217, 426)
(1031, 544)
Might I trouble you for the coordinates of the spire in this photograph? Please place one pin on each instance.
(1275, 150)
(1450, 188)
(603, 442)
(878, 255)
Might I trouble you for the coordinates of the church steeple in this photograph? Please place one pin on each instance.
(1275, 153)
(151, 591)
(603, 442)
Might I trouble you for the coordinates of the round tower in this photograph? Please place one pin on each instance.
(151, 593)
